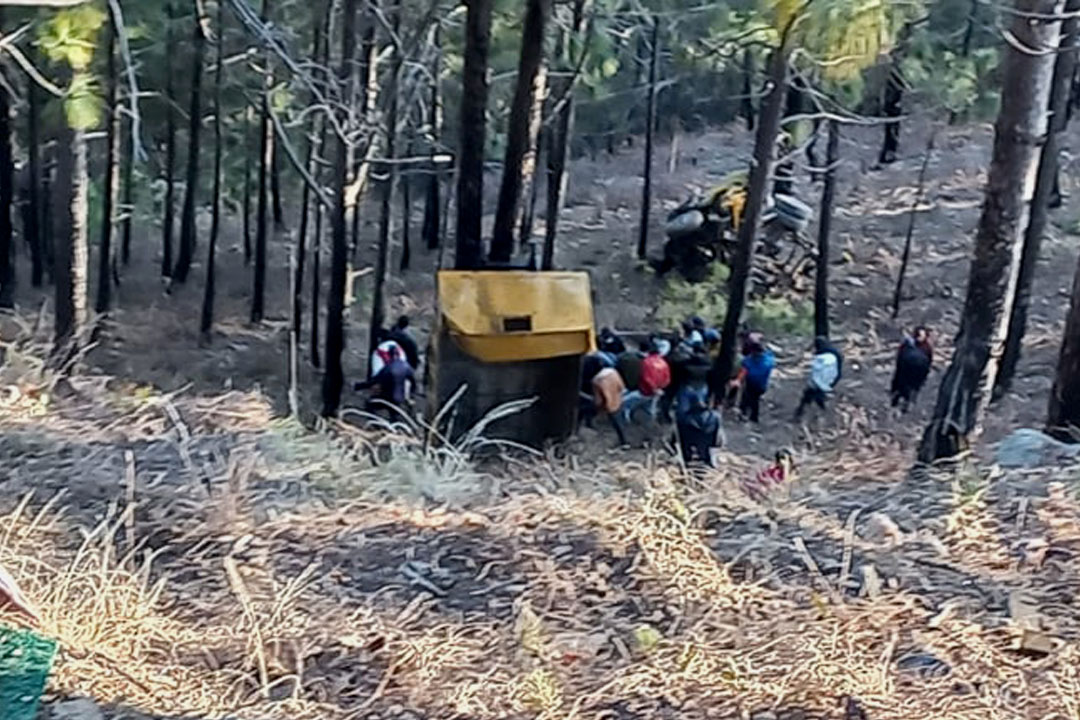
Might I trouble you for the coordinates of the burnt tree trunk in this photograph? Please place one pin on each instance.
(406, 226)
(529, 170)
(746, 105)
(32, 223)
(768, 129)
(170, 147)
(316, 283)
(432, 195)
(965, 44)
(206, 319)
(828, 194)
(334, 376)
(1064, 66)
(650, 131)
(191, 191)
(473, 128)
(1063, 420)
(275, 183)
(521, 130)
(266, 158)
(7, 200)
(892, 108)
(72, 243)
(386, 213)
(1021, 127)
(248, 150)
(106, 258)
(898, 293)
(127, 207)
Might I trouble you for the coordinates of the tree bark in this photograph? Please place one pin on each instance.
(386, 215)
(72, 251)
(1064, 66)
(32, 225)
(473, 128)
(106, 258)
(170, 146)
(275, 184)
(559, 148)
(7, 202)
(1021, 127)
(248, 150)
(650, 130)
(521, 130)
(1063, 419)
(747, 103)
(828, 193)
(128, 194)
(433, 196)
(530, 163)
(191, 191)
(768, 130)
(334, 376)
(406, 226)
(206, 320)
(266, 159)
(898, 294)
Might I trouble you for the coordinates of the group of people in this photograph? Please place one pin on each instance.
(677, 372)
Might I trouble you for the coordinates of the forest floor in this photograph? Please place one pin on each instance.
(198, 556)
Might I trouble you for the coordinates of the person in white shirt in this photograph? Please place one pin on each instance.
(825, 370)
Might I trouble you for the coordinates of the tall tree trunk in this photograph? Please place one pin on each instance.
(898, 294)
(248, 150)
(768, 130)
(1021, 127)
(106, 258)
(530, 163)
(334, 376)
(473, 128)
(266, 159)
(432, 199)
(206, 320)
(72, 251)
(382, 257)
(1063, 420)
(559, 148)
(828, 193)
(275, 183)
(170, 146)
(406, 226)
(7, 201)
(965, 44)
(650, 130)
(32, 226)
(747, 103)
(316, 282)
(188, 229)
(319, 18)
(128, 195)
(1064, 66)
(520, 128)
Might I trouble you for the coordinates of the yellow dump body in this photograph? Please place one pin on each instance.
(511, 335)
(511, 316)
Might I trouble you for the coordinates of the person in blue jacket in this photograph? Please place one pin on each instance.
(757, 366)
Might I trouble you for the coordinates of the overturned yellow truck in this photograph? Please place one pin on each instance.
(507, 335)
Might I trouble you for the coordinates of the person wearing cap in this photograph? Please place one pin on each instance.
(753, 378)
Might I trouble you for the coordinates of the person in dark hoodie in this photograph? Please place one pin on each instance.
(913, 362)
(700, 430)
(404, 338)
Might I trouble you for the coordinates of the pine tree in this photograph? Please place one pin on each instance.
(188, 230)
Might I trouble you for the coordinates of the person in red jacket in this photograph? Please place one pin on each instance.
(655, 378)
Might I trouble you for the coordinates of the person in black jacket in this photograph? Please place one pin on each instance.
(404, 338)
(912, 368)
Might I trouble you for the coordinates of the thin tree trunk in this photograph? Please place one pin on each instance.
(828, 193)
(747, 104)
(650, 130)
(892, 109)
(170, 146)
(248, 150)
(473, 128)
(275, 184)
(532, 187)
(530, 162)
(188, 229)
(1064, 66)
(768, 130)
(128, 194)
(382, 257)
(106, 257)
(72, 251)
(559, 148)
(1063, 419)
(47, 221)
(32, 227)
(334, 377)
(898, 294)
(1021, 127)
(206, 320)
(406, 226)
(519, 130)
(965, 44)
(7, 203)
(266, 158)
(432, 200)
(316, 283)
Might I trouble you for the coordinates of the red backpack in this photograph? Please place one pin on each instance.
(655, 375)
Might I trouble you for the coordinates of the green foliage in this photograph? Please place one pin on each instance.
(957, 84)
(781, 316)
(69, 36)
(82, 104)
